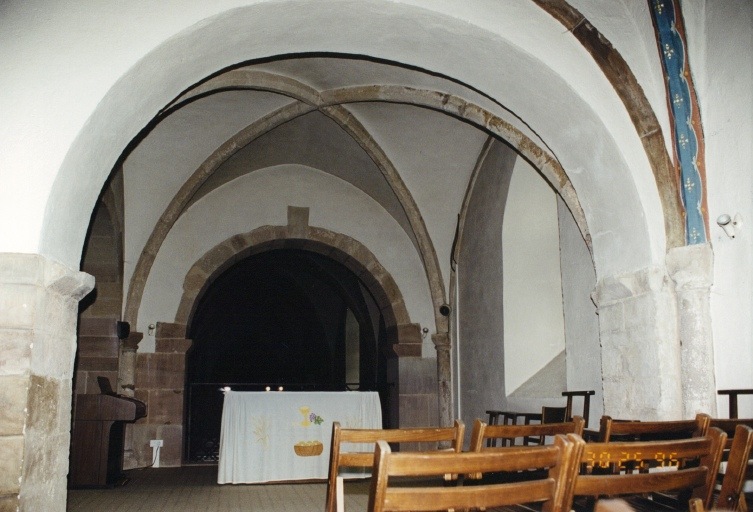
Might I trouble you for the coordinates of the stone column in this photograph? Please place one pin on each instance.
(640, 342)
(127, 386)
(38, 312)
(444, 377)
(127, 367)
(692, 269)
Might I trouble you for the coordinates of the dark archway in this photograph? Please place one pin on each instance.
(283, 317)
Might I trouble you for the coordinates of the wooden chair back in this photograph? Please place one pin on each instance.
(391, 492)
(586, 395)
(508, 434)
(611, 429)
(426, 438)
(730, 427)
(635, 468)
(553, 414)
(548, 414)
(497, 417)
(738, 468)
(733, 394)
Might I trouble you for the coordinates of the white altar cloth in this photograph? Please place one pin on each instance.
(260, 431)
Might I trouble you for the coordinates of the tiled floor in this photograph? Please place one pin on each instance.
(195, 489)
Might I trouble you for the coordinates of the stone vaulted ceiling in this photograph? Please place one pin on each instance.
(385, 129)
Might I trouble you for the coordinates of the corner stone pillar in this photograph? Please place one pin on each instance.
(691, 268)
(444, 377)
(160, 380)
(38, 313)
(640, 342)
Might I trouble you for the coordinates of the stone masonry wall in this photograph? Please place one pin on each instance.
(641, 362)
(97, 355)
(38, 310)
(418, 405)
(160, 382)
(98, 344)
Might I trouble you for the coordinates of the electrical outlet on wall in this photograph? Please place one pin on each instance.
(155, 443)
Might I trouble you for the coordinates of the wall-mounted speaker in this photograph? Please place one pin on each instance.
(123, 329)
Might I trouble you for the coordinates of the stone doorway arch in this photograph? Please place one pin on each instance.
(402, 343)
(345, 250)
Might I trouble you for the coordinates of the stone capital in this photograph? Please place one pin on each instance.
(170, 330)
(67, 282)
(691, 267)
(131, 343)
(441, 340)
(613, 289)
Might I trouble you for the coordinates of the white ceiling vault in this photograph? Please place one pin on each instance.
(393, 100)
(269, 115)
(512, 59)
(372, 124)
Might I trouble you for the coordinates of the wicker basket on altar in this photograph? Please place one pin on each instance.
(308, 448)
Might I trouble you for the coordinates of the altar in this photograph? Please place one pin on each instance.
(285, 435)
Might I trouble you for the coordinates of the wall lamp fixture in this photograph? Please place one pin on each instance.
(729, 224)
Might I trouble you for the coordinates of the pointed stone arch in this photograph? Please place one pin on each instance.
(332, 104)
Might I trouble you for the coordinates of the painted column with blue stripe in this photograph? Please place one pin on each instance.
(687, 136)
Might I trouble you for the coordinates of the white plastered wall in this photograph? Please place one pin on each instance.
(720, 45)
(175, 148)
(262, 198)
(534, 329)
(581, 322)
(435, 155)
(628, 27)
(106, 93)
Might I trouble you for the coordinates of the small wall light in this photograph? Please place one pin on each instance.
(151, 329)
(730, 225)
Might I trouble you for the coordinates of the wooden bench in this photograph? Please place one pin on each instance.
(426, 439)
(391, 492)
(508, 434)
(611, 429)
(634, 469)
(737, 456)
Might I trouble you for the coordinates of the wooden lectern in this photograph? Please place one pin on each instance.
(98, 438)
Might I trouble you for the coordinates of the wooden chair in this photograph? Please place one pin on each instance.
(732, 395)
(633, 469)
(391, 492)
(737, 455)
(548, 414)
(507, 434)
(424, 438)
(497, 417)
(696, 505)
(512, 435)
(611, 429)
(586, 395)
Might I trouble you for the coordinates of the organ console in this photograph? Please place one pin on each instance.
(98, 436)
